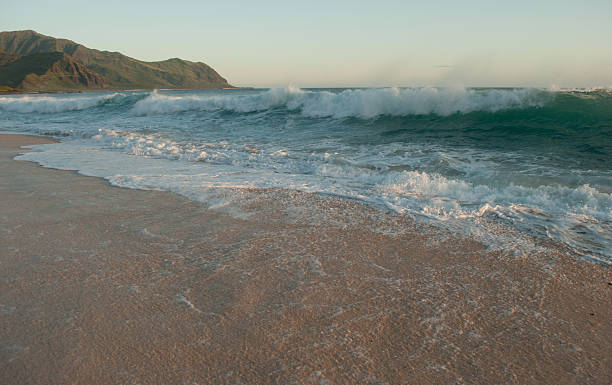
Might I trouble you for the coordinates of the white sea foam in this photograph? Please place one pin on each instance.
(153, 145)
(46, 104)
(579, 217)
(360, 103)
(158, 103)
(448, 197)
(457, 198)
(595, 89)
(260, 139)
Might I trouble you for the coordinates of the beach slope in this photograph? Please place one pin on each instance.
(102, 285)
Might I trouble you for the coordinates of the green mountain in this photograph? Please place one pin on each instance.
(85, 68)
(49, 71)
(6, 58)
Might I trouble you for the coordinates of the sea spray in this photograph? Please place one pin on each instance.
(359, 103)
(49, 104)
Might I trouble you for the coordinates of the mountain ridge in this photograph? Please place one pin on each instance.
(105, 69)
(50, 71)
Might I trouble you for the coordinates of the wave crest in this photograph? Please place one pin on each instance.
(579, 217)
(45, 104)
(359, 103)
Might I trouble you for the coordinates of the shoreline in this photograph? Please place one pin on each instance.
(102, 284)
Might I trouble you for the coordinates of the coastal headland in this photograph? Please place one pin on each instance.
(33, 63)
(104, 285)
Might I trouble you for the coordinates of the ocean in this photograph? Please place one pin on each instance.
(515, 169)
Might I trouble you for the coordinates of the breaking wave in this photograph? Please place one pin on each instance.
(49, 104)
(578, 216)
(359, 103)
(468, 159)
(337, 104)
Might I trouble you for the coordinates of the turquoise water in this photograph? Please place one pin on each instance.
(465, 159)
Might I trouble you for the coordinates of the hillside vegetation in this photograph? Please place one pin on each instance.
(49, 71)
(6, 58)
(30, 61)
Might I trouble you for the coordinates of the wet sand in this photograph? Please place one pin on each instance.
(104, 285)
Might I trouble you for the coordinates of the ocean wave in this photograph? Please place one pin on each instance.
(458, 197)
(150, 145)
(159, 103)
(358, 103)
(577, 216)
(580, 217)
(45, 104)
(463, 158)
(596, 90)
(219, 153)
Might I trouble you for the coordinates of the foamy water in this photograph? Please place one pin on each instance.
(469, 160)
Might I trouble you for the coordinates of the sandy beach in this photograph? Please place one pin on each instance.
(105, 285)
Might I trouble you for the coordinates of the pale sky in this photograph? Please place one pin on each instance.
(347, 43)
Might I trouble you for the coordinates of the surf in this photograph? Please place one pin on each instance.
(469, 160)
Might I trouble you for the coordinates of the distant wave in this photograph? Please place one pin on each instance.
(349, 103)
(359, 103)
(50, 104)
(590, 90)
